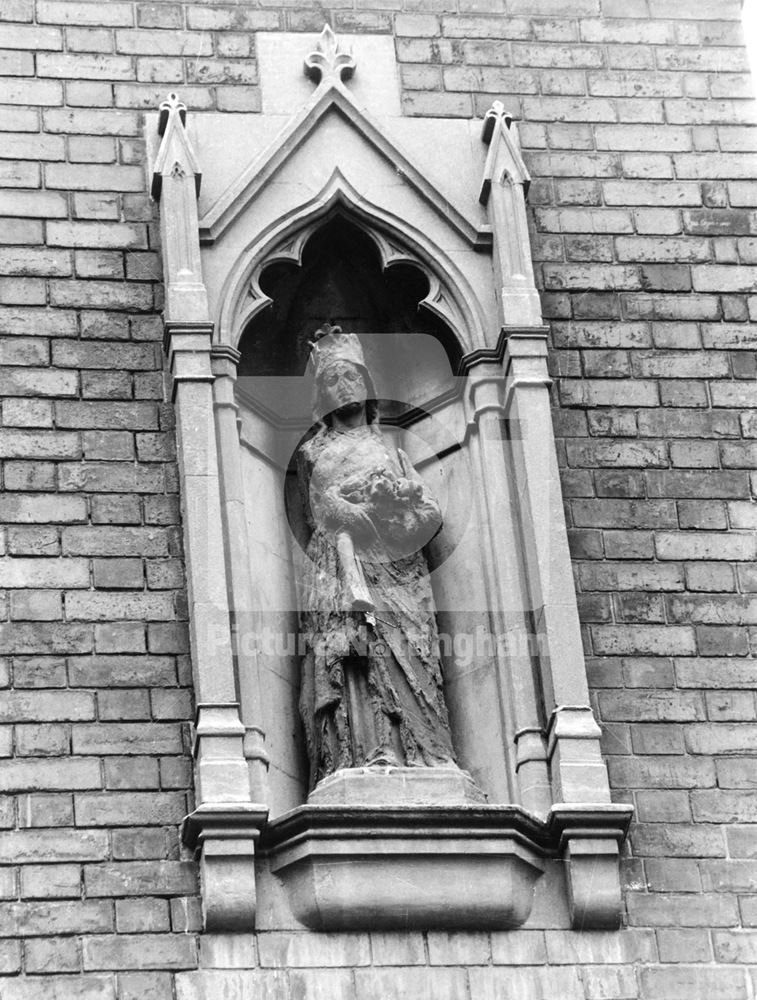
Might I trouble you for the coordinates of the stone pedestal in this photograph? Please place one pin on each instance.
(394, 786)
(353, 867)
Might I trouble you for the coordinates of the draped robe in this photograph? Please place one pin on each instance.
(371, 685)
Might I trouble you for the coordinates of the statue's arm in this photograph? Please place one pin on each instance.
(425, 506)
(304, 475)
(324, 504)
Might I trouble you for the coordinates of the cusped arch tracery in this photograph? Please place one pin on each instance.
(340, 272)
(449, 297)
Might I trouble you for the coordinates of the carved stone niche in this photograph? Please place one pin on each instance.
(412, 233)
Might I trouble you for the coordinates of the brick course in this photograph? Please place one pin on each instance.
(643, 213)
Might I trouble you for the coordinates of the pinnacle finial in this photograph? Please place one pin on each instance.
(495, 113)
(171, 104)
(328, 64)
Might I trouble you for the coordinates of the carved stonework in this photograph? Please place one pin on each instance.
(391, 813)
(328, 63)
(226, 824)
(372, 676)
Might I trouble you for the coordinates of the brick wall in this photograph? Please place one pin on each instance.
(638, 127)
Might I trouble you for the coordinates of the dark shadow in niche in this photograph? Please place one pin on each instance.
(341, 281)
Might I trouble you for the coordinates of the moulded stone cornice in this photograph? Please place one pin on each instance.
(610, 820)
(489, 355)
(367, 867)
(362, 867)
(331, 97)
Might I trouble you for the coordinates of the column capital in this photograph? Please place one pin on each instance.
(224, 360)
(188, 347)
(525, 361)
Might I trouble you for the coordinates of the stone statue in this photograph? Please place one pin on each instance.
(372, 679)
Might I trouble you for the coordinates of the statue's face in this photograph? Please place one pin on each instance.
(343, 388)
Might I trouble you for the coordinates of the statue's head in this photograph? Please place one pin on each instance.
(341, 375)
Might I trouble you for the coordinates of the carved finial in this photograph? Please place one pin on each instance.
(172, 103)
(496, 113)
(504, 159)
(175, 158)
(327, 63)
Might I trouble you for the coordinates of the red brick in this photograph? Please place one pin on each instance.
(147, 96)
(129, 808)
(139, 843)
(50, 955)
(85, 67)
(146, 914)
(30, 919)
(115, 541)
(141, 878)
(114, 606)
(44, 740)
(45, 93)
(664, 640)
(59, 988)
(126, 739)
(684, 946)
(94, 177)
(144, 985)
(17, 36)
(160, 15)
(140, 951)
(681, 982)
(710, 112)
(36, 476)
(89, 40)
(122, 671)
(59, 12)
(50, 775)
(58, 638)
(18, 572)
(705, 545)
(730, 876)
(133, 774)
(95, 234)
(719, 738)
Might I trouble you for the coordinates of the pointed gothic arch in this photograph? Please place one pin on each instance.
(451, 296)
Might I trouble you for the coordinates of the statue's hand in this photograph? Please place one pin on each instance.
(360, 525)
(409, 490)
(353, 517)
(382, 487)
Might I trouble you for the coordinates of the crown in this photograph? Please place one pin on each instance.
(331, 345)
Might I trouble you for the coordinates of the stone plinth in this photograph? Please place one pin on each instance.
(387, 786)
(401, 867)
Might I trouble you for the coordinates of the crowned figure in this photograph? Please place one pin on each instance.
(371, 693)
